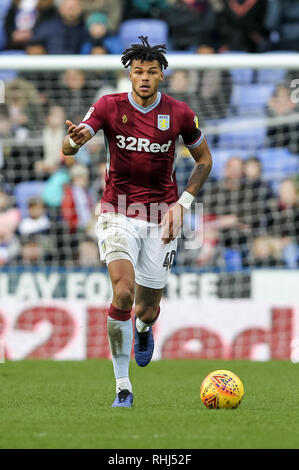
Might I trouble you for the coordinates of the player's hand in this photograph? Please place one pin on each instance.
(79, 134)
(172, 222)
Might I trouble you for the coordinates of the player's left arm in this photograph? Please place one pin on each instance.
(173, 219)
(201, 170)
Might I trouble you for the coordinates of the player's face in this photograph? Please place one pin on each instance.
(145, 77)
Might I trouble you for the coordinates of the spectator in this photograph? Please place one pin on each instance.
(252, 170)
(266, 251)
(24, 107)
(112, 8)
(88, 253)
(9, 220)
(37, 221)
(77, 203)
(32, 252)
(54, 188)
(22, 17)
(256, 193)
(53, 134)
(19, 23)
(98, 31)
(26, 119)
(75, 93)
(222, 202)
(282, 215)
(190, 23)
(182, 86)
(214, 89)
(199, 245)
(242, 25)
(63, 34)
(98, 49)
(46, 9)
(280, 105)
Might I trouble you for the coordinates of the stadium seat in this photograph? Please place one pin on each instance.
(156, 30)
(240, 76)
(112, 43)
(251, 99)
(242, 133)
(273, 76)
(221, 156)
(278, 163)
(24, 191)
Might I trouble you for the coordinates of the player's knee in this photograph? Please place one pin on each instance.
(124, 294)
(147, 314)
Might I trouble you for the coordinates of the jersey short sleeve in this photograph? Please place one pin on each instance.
(95, 118)
(191, 133)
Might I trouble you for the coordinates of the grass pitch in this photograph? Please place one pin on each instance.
(67, 405)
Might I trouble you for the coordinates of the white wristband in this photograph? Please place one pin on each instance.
(73, 143)
(186, 200)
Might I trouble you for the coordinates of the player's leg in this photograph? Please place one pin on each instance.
(119, 326)
(119, 248)
(151, 274)
(147, 309)
(147, 301)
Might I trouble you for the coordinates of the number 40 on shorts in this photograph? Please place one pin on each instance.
(168, 260)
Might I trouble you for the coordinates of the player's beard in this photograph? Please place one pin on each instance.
(145, 97)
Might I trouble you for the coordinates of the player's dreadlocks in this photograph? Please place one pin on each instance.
(145, 52)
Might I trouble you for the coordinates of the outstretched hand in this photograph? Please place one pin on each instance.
(172, 222)
(79, 134)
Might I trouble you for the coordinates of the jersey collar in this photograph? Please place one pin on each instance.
(141, 108)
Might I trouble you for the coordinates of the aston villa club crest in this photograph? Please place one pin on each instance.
(163, 122)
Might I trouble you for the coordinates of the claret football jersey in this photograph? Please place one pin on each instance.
(141, 148)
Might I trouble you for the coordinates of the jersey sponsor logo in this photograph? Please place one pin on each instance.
(88, 114)
(163, 122)
(141, 145)
(195, 119)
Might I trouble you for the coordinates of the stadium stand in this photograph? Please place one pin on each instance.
(244, 112)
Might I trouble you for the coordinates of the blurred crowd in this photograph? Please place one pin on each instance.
(244, 223)
(95, 26)
(250, 214)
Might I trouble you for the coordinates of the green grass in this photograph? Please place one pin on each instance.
(47, 404)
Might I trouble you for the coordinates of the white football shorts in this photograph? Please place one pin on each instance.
(139, 241)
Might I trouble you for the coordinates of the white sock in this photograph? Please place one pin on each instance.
(141, 326)
(123, 383)
(120, 336)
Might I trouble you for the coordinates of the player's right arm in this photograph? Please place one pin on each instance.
(75, 138)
